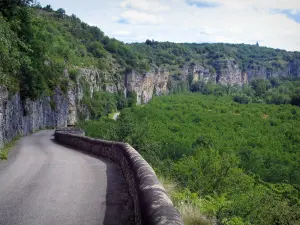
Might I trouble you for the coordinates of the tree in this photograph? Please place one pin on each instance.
(48, 8)
(37, 5)
(241, 98)
(61, 11)
(260, 86)
(148, 42)
(10, 4)
(295, 99)
(96, 49)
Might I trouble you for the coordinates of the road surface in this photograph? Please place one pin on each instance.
(44, 183)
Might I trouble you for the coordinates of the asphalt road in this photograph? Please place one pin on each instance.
(45, 183)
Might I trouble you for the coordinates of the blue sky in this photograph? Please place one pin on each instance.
(272, 23)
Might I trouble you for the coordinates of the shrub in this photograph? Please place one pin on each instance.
(295, 98)
(241, 98)
(73, 74)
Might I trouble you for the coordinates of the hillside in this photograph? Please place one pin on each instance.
(221, 63)
(238, 164)
(39, 44)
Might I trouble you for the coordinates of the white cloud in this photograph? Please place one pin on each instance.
(122, 33)
(145, 5)
(237, 21)
(139, 18)
(241, 4)
(209, 30)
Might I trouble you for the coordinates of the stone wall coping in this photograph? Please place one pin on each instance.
(155, 206)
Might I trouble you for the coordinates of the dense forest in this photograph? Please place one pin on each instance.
(238, 163)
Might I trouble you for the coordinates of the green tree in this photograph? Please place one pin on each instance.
(10, 4)
(48, 8)
(295, 98)
(61, 11)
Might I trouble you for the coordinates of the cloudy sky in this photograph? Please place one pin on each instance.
(272, 23)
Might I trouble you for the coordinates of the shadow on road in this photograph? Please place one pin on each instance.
(119, 205)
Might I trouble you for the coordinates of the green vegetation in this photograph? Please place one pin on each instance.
(5, 150)
(248, 57)
(113, 115)
(230, 154)
(273, 91)
(37, 44)
(238, 163)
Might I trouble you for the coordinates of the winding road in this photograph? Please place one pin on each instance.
(44, 183)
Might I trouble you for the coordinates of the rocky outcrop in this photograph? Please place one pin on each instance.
(228, 72)
(72, 107)
(194, 73)
(202, 74)
(290, 69)
(145, 86)
(93, 80)
(19, 117)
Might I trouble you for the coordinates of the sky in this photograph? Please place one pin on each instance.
(271, 23)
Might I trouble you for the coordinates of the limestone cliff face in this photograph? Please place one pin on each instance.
(228, 72)
(197, 73)
(93, 80)
(147, 85)
(291, 69)
(21, 118)
(144, 85)
(203, 74)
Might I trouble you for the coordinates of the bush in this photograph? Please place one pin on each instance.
(73, 73)
(295, 98)
(241, 98)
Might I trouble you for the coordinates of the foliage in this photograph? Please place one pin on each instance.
(296, 97)
(7, 5)
(249, 57)
(73, 74)
(241, 98)
(5, 150)
(273, 91)
(239, 160)
(36, 45)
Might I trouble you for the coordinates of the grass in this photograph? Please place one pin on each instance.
(4, 152)
(111, 115)
(187, 205)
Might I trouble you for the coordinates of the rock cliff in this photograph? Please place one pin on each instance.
(92, 80)
(229, 72)
(21, 118)
(147, 85)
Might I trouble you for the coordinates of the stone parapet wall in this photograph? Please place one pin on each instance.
(152, 204)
